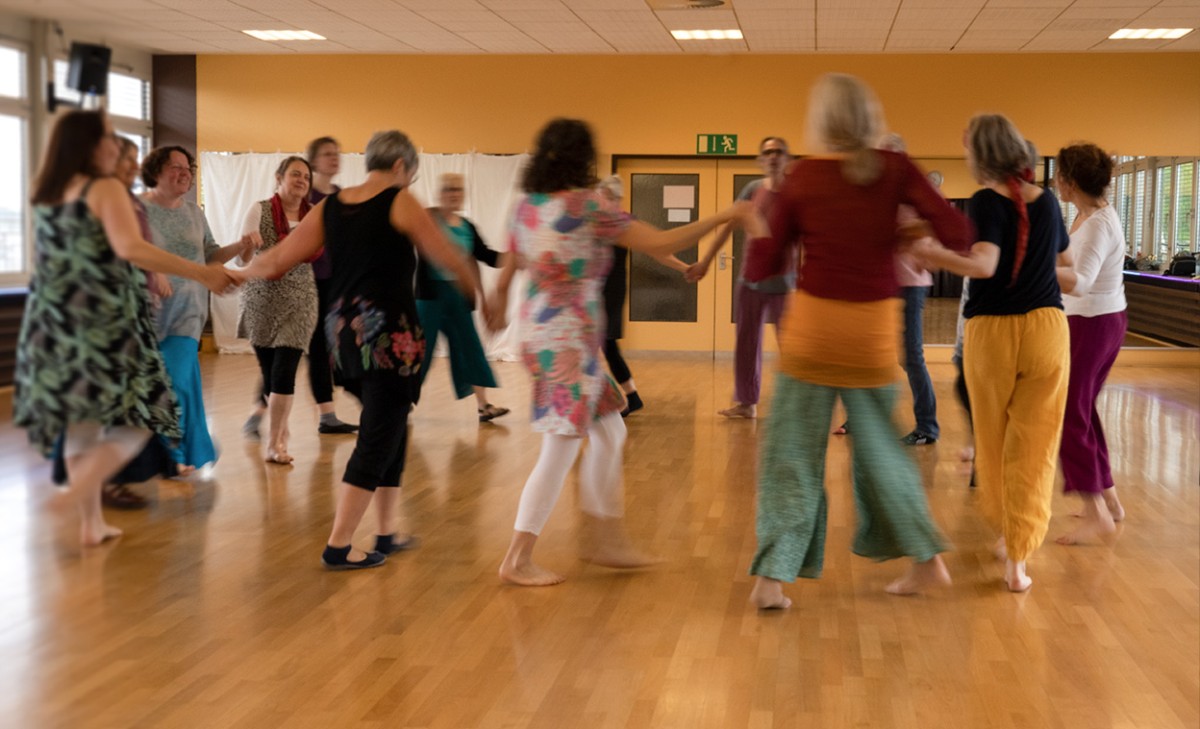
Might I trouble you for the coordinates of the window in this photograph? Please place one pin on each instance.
(14, 140)
(12, 194)
(1162, 213)
(1138, 209)
(128, 96)
(1185, 207)
(12, 73)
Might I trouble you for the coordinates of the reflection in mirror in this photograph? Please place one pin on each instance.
(1156, 202)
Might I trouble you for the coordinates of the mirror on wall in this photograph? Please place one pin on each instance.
(1155, 198)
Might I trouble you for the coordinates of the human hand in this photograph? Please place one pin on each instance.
(220, 280)
(159, 284)
(696, 271)
(250, 243)
(747, 216)
(923, 250)
(496, 313)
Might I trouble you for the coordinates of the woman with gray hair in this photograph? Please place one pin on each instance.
(839, 340)
(372, 233)
(1016, 350)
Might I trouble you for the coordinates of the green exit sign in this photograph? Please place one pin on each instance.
(716, 144)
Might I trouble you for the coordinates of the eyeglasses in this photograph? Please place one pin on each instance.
(452, 189)
(190, 169)
(773, 152)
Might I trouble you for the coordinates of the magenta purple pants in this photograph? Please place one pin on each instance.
(752, 309)
(1095, 342)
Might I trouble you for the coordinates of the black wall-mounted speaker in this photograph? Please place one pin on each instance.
(88, 70)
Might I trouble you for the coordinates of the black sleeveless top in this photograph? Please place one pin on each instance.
(371, 323)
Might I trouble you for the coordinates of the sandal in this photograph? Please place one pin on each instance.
(120, 496)
(490, 412)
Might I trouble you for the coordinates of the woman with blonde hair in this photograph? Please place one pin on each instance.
(838, 340)
(1016, 342)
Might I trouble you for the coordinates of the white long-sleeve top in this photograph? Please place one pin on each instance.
(1098, 248)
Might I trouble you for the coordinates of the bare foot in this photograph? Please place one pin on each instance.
(768, 595)
(96, 534)
(528, 575)
(621, 556)
(1000, 549)
(1015, 578)
(1094, 527)
(1114, 505)
(280, 457)
(921, 576)
(740, 411)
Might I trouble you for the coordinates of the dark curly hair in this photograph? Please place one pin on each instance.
(1085, 166)
(152, 165)
(565, 158)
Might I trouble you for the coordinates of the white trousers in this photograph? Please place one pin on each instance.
(601, 480)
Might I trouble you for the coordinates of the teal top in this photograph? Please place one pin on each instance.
(460, 236)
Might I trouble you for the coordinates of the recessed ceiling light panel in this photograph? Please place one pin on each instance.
(732, 34)
(284, 35)
(1150, 33)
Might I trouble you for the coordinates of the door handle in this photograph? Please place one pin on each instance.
(722, 262)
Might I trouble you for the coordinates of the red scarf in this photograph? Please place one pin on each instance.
(279, 218)
(1014, 190)
(280, 221)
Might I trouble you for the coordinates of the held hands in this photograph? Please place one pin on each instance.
(250, 243)
(220, 280)
(745, 214)
(495, 312)
(925, 250)
(696, 271)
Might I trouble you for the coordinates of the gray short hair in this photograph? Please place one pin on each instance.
(385, 148)
(613, 185)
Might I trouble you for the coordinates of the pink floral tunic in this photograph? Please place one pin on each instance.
(564, 240)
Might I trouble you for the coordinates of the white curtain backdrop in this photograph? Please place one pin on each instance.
(231, 183)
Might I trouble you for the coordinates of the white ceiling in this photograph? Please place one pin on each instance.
(624, 26)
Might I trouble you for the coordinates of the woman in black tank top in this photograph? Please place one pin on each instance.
(372, 233)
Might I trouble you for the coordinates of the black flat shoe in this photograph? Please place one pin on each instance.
(388, 544)
(337, 429)
(334, 559)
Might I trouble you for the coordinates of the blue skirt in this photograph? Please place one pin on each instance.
(181, 356)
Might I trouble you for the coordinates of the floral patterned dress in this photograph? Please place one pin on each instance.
(371, 323)
(88, 351)
(564, 242)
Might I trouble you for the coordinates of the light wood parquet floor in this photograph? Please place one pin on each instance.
(213, 610)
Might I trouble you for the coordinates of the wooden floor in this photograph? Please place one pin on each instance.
(213, 610)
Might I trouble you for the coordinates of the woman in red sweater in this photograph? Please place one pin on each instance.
(838, 340)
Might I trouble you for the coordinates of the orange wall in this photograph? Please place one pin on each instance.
(1129, 103)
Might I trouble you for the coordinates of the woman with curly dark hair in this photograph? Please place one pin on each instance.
(562, 233)
(1095, 307)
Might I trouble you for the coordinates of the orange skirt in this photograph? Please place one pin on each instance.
(841, 343)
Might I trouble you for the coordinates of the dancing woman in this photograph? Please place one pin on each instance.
(839, 340)
(1016, 350)
(562, 233)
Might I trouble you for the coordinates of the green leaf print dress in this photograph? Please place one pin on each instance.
(88, 350)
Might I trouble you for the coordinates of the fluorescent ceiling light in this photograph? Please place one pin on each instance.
(733, 34)
(284, 35)
(1150, 33)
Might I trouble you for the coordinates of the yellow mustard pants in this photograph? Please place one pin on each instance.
(1017, 368)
